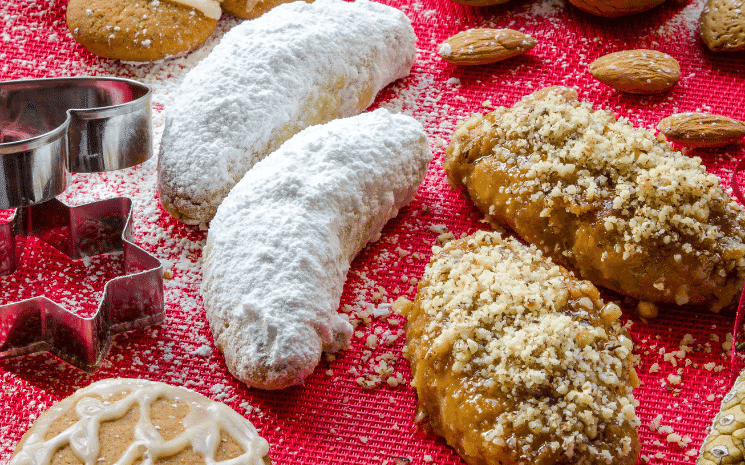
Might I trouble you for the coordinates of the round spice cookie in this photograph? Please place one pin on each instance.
(121, 420)
(250, 9)
(142, 30)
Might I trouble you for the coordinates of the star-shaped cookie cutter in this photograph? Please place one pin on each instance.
(49, 128)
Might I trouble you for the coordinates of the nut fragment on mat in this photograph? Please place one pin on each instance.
(484, 46)
(724, 444)
(603, 198)
(516, 361)
(701, 130)
(307, 64)
(280, 246)
(128, 302)
(137, 421)
(141, 31)
(638, 71)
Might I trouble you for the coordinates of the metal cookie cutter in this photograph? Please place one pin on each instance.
(48, 129)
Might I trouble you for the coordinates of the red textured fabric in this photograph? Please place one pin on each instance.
(332, 418)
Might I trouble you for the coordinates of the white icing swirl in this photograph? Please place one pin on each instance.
(202, 426)
(209, 8)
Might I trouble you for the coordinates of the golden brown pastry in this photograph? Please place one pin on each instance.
(515, 361)
(250, 9)
(606, 200)
(141, 30)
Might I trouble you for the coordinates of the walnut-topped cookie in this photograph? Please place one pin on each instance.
(141, 30)
(516, 361)
(607, 200)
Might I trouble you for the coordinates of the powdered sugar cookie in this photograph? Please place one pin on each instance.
(141, 30)
(280, 245)
(137, 421)
(298, 65)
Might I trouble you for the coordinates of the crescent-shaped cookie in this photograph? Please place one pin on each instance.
(299, 65)
(280, 245)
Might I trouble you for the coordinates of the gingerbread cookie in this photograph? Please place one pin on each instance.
(141, 30)
(306, 64)
(123, 420)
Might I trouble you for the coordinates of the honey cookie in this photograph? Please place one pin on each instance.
(307, 63)
(515, 361)
(137, 421)
(607, 200)
(250, 9)
(722, 25)
(280, 245)
(141, 30)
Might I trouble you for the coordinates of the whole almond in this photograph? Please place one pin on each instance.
(722, 25)
(483, 46)
(637, 71)
(701, 130)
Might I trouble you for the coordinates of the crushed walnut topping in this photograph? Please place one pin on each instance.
(539, 344)
(642, 205)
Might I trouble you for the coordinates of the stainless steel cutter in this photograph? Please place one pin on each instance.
(48, 129)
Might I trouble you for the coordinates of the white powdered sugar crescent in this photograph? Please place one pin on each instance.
(280, 245)
(298, 65)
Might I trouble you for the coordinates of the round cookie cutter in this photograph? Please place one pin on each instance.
(52, 127)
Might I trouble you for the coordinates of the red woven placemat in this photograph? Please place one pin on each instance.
(357, 408)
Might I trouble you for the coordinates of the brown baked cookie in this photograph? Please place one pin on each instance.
(516, 361)
(132, 420)
(138, 30)
(251, 9)
(722, 25)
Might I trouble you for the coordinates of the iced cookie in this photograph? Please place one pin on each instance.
(123, 420)
(307, 63)
(515, 361)
(280, 245)
(133, 30)
(603, 198)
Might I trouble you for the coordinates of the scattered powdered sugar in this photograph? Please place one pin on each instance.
(684, 23)
(546, 9)
(271, 299)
